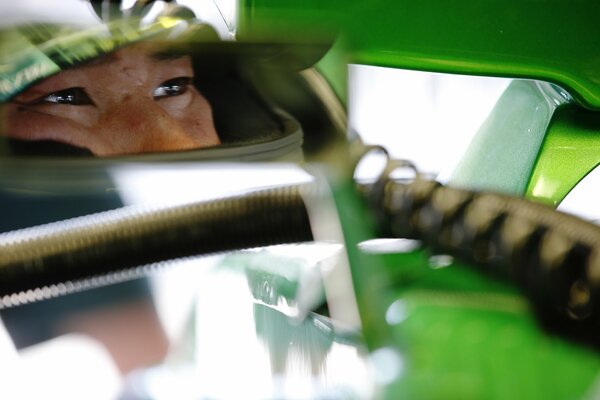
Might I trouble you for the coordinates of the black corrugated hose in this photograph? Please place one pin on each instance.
(554, 257)
(34, 259)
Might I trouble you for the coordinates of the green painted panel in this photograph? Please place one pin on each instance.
(553, 40)
(289, 21)
(501, 156)
(357, 226)
(461, 335)
(334, 68)
(569, 152)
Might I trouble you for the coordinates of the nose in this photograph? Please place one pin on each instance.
(140, 125)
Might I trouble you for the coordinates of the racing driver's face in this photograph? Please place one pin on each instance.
(130, 101)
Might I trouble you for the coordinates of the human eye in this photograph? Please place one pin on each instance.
(72, 96)
(172, 87)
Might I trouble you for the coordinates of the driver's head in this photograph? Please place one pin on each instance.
(134, 100)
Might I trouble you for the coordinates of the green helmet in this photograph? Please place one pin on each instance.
(242, 79)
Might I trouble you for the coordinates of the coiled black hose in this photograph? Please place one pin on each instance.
(81, 248)
(553, 256)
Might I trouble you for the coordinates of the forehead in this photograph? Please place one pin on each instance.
(147, 53)
(134, 64)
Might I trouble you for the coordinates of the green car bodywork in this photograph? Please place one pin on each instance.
(550, 41)
(452, 332)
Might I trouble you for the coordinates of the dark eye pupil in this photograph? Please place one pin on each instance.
(73, 96)
(172, 87)
(64, 98)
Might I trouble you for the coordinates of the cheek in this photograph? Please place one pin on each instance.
(28, 125)
(197, 120)
(25, 124)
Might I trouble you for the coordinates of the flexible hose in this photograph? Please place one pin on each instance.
(98, 244)
(553, 256)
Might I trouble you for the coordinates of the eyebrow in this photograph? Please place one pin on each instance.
(166, 56)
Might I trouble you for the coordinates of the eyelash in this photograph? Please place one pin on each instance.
(77, 96)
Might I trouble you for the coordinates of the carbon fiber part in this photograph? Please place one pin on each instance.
(65, 252)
